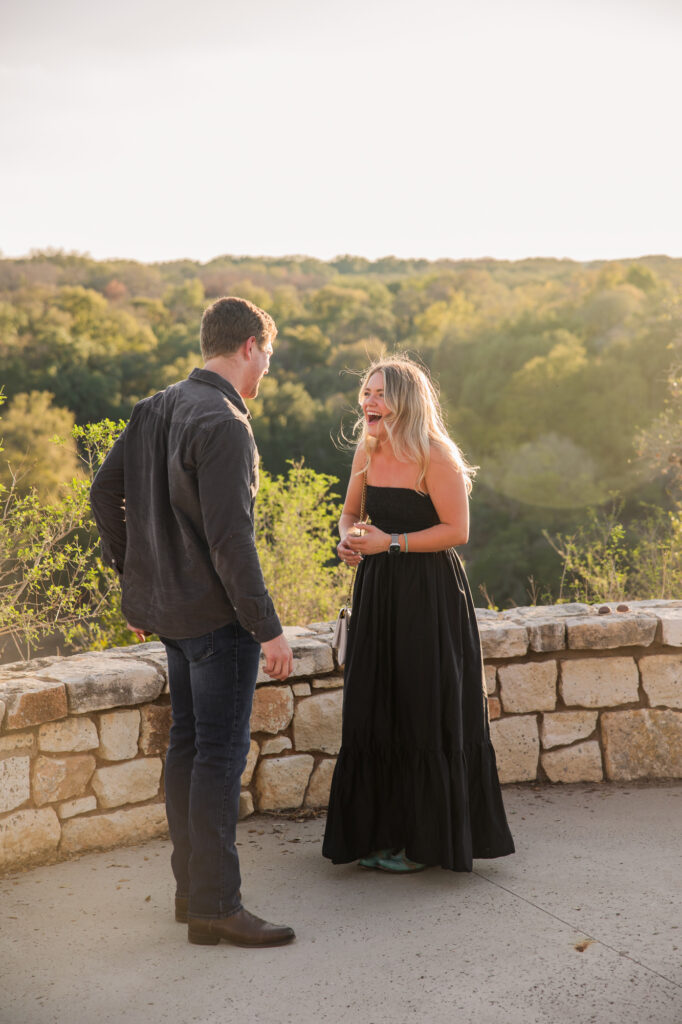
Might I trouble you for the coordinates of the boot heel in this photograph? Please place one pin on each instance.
(200, 938)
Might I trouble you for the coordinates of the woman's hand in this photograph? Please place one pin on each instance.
(371, 541)
(346, 553)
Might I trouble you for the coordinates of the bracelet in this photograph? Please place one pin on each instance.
(406, 545)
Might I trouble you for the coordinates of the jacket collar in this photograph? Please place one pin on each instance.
(216, 381)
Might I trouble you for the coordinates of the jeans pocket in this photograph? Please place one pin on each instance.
(198, 648)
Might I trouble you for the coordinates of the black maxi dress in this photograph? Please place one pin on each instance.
(416, 770)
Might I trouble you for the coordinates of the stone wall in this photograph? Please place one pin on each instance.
(575, 694)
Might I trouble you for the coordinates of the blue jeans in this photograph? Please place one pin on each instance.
(212, 679)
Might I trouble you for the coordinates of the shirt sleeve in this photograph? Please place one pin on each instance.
(107, 499)
(225, 477)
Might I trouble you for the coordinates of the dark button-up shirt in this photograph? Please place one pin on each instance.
(173, 502)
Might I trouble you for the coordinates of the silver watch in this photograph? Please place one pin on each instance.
(394, 546)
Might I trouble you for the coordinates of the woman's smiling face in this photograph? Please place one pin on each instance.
(374, 407)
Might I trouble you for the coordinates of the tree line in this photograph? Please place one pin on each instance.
(555, 376)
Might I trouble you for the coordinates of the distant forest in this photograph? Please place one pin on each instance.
(549, 372)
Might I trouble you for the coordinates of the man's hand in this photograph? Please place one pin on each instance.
(141, 634)
(279, 659)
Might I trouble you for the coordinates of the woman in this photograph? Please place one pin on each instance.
(416, 781)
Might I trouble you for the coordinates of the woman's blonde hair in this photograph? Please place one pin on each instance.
(416, 421)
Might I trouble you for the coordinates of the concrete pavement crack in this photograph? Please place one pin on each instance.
(595, 938)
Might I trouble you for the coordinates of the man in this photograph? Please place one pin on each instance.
(173, 502)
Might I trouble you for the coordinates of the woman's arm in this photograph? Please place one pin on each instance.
(351, 509)
(446, 487)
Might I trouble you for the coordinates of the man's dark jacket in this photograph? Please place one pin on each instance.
(173, 502)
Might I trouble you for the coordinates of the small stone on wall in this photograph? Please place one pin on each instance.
(27, 836)
(155, 725)
(530, 687)
(281, 782)
(128, 783)
(642, 744)
(662, 679)
(579, 763)
(15, 785)
(32, 701)
(245, 805)
(251, 760)
(320, 784)
(103, 830)
(517, 747)
(119, 732)
(61, 778)
(70, 808)
(599, 682)
(276, 745)
(566, 727)
(273, 709)
(72, 735)
(317, 723)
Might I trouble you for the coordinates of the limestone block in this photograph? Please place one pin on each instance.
(662, 679)
(328, 683)
(599, 632)
(100, 831)
(490, 678)
(119, 732)
(152, 652)
(671, 626)
(276, 746)
(60, 778)
(155, 723)
(127, 783)
(506, 641)
(245, 805)
(301, 689)
(3, 708)
(15, 784)
(579, 763)
(517, 747)
(18, 743)
(251, 760)
(566, 727)
(32, 701)
(546, 634)
(599, 682)
(317, 723)
(273, 709)
(281, 782)
(320, 784)
(70, 808)
(312, 657)
(529, 687)
(494, 708)
(72, 735)
(642, 744)
(28, 836)
(100, 680)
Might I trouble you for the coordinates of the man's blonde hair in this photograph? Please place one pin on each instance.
(415, 423)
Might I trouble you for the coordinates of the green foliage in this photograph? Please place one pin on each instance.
(296, 519)
(552, 373)
(53, 586)
(30, 460)
(604, 560)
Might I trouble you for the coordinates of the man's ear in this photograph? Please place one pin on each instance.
(248, 346)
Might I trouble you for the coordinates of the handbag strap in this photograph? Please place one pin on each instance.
(362, 520)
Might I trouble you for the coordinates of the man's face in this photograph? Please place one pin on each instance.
(260, 363)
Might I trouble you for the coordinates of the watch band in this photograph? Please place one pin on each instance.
(394, 546)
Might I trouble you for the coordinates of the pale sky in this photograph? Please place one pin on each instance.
(156, 130)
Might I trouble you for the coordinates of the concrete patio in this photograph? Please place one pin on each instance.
(583, 924)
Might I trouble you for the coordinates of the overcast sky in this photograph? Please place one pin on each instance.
(458, 128)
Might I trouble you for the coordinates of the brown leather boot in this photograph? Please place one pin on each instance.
(181, 907)
(240, 928)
